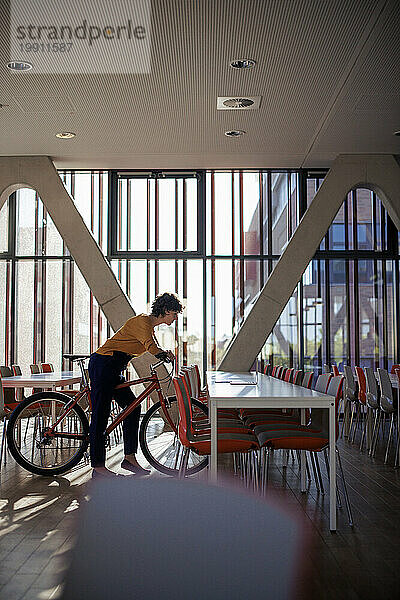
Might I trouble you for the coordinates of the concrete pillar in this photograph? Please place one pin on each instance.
(39, 174)
(380, 173)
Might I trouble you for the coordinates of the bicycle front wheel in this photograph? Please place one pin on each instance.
(160, 443)
(47, 454)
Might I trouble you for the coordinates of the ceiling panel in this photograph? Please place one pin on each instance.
(320, 67)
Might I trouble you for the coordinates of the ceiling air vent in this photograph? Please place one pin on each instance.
(238, 102)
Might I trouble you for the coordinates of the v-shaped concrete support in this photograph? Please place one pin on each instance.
(39, 173)
(380, 173)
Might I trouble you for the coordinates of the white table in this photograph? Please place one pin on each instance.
(270, 392)
(50, 381)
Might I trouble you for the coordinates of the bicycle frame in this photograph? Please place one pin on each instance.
(153, 387)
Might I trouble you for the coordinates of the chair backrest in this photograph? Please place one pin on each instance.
(298, 377)
(46, 368)
(34, 369)
(335, 386)
(184, 372)
(6, 371)
(372, 395)
(267, 369)
(8, 393)
(282, 373)
(351, 386)
(16, 369)
(273, 372)
(335, 370)
(362, 385)
(289, 375)
(185, 431)
(321, 385)
(196, 372)
(307, 379)
(320, 416)
(385, 384)
(393, 369)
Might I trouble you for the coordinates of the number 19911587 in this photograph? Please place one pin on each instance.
(46, 47)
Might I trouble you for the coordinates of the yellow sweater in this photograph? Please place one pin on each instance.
(134, 338)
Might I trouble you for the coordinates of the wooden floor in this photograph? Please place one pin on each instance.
(38, 517)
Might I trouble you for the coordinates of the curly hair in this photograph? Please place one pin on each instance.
(164, 303)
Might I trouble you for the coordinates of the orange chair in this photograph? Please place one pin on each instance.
(9, 395)
(393, 369)
(187, 374)
(197, 439)
(196, 391)
(46, 368)
(335, 371)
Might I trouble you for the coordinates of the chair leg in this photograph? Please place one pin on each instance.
(351, 420)
(389, 440)
(371, 447)
(312, 458)
(307, 466)
(356, 422)
(364, 430)
(263, 453)
(396, 460)
(338, 498)
(3, 442)
(376, 434)
(235, 465)
(267, 467)
(184, 461)
(321, 484)
(345, 417)
(346, 495)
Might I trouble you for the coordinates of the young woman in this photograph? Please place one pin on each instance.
(105, 371)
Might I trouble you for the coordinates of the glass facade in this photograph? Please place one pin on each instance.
(349, 292)
(213, 238)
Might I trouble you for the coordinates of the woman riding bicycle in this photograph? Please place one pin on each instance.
(105, 371)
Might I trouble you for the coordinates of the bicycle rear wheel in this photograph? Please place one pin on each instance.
(160, 444)
(28, 443)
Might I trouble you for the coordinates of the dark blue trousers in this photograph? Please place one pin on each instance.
(105, 373)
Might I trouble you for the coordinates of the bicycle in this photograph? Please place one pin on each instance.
(48, 432)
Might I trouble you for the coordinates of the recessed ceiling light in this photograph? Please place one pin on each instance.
(65, 135)
(234, 133)
(396, 132)
(19, 66)
(243, 63)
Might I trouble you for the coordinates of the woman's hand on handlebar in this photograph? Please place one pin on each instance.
(166, 356)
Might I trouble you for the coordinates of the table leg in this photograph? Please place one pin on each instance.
(332, 467)
(303, 456)
(213, 458)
